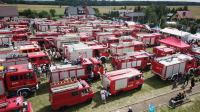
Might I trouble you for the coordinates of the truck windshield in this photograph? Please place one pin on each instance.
(138, 77)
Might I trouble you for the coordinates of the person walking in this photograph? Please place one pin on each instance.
(186, 80)
(103, 95)
(192, 83)
(174, 81)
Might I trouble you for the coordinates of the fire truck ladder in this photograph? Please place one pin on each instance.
(65, 87)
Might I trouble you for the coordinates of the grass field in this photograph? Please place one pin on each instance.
(103, 9)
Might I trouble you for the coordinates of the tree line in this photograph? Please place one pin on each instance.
(41, 14)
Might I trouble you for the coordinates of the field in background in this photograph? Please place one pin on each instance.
(103, 9)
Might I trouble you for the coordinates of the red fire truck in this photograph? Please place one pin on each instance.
(161, 51)
(38, 58)
(75, 51)
(15, 104)
(18, 80)
(139, 60)
(59, 41)
(122, 80)
(86, 36)
(69, 92)
(125, 47)
(149, 39)
(107, 39)
(20, 37)
(168, 66)
(83, 70)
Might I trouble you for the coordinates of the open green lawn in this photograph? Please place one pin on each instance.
(102, 9)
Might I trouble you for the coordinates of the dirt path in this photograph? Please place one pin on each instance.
(158, 101)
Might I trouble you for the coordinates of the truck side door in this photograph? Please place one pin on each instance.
(76, 97)
(29, 79)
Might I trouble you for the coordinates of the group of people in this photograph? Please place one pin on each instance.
(43, 69)
(183, 79)
(54, 54)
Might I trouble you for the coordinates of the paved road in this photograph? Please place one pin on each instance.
(158, 101)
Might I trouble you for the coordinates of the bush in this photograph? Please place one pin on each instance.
(52, 12)
(28, 13)
(43, 14)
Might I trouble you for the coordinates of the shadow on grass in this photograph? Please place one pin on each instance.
(65, 108)
(156, 83)
(112, 98)
(43, 88)
(45, 109)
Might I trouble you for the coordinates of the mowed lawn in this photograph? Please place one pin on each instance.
(103, 9)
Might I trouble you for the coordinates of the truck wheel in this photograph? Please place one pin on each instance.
(139, 87)
(90, 100)
(25, 93)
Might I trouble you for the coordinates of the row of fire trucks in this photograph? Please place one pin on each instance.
(83, 43)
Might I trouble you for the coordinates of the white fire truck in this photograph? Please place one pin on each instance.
(168, 66)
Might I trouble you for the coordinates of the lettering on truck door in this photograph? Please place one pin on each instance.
(120, 84)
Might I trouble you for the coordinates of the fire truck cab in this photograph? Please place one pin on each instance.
(20, 37)
(19, 80)
(69, 92)
(122, 80)
(161, 51)
(168, 66)
(38, 58)
(15, 104)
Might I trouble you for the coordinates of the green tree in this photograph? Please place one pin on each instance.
(193, 29)
(114, 14)
(185, 8)
(52, 12)
(43, 14)
(28, 13)
(97, 13)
